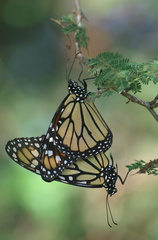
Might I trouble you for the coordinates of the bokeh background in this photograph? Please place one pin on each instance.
(33, 60)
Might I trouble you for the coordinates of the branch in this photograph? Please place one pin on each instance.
(148, 105)
(79, 17)
(149, 167)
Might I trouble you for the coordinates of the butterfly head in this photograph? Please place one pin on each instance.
(80, 92)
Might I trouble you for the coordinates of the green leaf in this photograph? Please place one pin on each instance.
(67, 19)
(117, 73)
(81, 37)
(136, 165)
(70, 28)
(79, 31)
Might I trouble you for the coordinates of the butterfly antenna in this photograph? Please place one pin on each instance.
(68, 75)
(112, 159)
(109, 213)
(79, 77)
(67, 66)
(83, 81)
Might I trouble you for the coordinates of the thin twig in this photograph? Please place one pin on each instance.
(148, 105)
(79, 17)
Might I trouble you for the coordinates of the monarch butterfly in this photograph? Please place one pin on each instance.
(77, 128)
(93, 172)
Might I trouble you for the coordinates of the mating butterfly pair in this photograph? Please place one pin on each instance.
(94, 172)
(72, 151)
(77, 131)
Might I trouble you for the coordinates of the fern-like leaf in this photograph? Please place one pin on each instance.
(117, 73)
(150, 168)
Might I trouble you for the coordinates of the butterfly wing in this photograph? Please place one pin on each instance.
(94, 172)
(78, 129)
(26, 152)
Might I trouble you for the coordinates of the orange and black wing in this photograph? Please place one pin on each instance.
(29, 153)
(94, 172)
(77, 128)
(26, 152)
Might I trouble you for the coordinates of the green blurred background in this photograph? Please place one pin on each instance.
(32, 84)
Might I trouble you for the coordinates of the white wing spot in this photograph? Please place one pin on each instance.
(37, 145)
(43, 169)
(35, 153)
(58, 159)
(70, 178)
(45, 146)
(50, 153)
(35, 162)
(14, 149)
(61, 177)
(51, 139)
(47, 136)
(14, 155)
